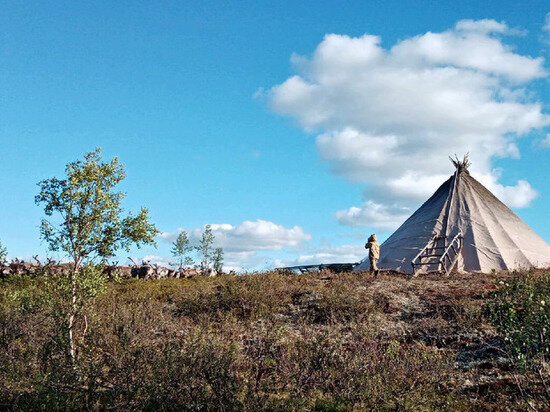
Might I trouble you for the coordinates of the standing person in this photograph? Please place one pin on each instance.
(374, 253)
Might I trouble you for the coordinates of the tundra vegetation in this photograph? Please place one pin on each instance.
(278, 341)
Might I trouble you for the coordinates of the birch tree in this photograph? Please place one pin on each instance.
(217, 260)
(180, 250)
(205, 247)
(84, 218)
(3, 253)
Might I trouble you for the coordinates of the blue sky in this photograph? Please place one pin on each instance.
(197, 100)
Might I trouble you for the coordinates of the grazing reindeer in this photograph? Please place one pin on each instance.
(160, 272)
(143, 271)
(22, 268)
(191, 273)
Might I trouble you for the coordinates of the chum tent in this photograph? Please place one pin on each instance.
(463, 226)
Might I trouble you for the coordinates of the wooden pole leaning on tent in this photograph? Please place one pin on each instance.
(439, 254)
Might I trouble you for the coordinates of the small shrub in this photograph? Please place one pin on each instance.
(520, 310)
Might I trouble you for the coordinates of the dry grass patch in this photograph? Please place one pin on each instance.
(271, 341)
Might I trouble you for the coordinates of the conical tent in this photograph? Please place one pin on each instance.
(462, 226)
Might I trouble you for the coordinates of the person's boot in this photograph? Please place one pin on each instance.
(376, 273)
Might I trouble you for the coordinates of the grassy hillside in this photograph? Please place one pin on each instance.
(281, 342)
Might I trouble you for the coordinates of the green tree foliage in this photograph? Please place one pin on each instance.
(217, 259)
(180, 250)
(88, 224)
(205, 247)
(3, 253)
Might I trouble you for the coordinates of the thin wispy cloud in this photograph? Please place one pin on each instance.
(546, 29)
(545, 143)
(546, 26)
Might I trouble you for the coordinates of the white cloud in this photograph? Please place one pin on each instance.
(248, 236)
(520, 195)
(390, 117)
(374, 215)
(242, 242)
(484, 26)
(469, 49)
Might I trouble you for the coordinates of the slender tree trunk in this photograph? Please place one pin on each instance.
(72, 349)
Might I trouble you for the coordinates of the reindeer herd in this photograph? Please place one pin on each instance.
(145, 270)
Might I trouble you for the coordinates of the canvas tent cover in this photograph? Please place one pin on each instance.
(493, 237)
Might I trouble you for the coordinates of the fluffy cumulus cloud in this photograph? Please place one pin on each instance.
(248, 236)
(242, 242)
(389, 117)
